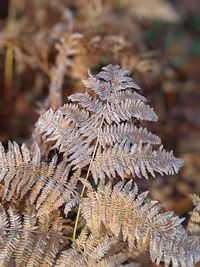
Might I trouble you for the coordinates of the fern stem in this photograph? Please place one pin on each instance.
(84, 186)
(8, 70)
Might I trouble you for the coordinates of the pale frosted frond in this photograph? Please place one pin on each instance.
(95, 250)
(48, 240)
(10, 239)
(18, 167)
(112, 134)
(122, 107)
(48, 184)
(26, 237)
(118, 77)
(123, 95)
(127, 109)
(137, 160)
(111, 79)
(102, 89)
(106, 121)
(48, 122)
(86, 101)
(75, 114)
(70, 257)
(4, 223)
(129, 216)
(64, 135)
(30, 241)
(57, 191)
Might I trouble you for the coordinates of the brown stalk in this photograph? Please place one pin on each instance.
(8, 73)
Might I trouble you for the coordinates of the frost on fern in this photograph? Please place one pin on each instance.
(106, 118)
(48, 184)
(96, 249)
(27, 240)
(132, 219)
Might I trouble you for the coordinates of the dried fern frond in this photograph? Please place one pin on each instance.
(193, 226)
(112, 134)
(95, 249)
(127, 215)
(67, 47)
(49, 185)
(30, 241)
(136, 160)
(107, 119)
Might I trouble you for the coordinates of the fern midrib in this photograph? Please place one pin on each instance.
(86, 178)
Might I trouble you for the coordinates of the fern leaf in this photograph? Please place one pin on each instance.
(97, 249)
(126, 110)
(107, 119)
(26, 237)
(126, 214)
(30, 241)
(112, 134)
(74, 114)
(86, 101)
(136, 160)
(123, 95)
(49, 185)
(118, 78)
(7, 247)
(110, 80)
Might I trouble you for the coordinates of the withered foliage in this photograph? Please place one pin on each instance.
(71, 196)
(108, 119)
(96, 133)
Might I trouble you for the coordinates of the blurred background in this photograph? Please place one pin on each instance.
(46, 47)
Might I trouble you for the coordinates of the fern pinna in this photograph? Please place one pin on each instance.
(23, 173)
(96, 133)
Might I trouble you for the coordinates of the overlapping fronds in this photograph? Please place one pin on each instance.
(23, 172)
(128, 215)
(107, 119)
(194, 222)
(26, 240)
(96, 249)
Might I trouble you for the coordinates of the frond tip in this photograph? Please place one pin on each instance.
(108, 120)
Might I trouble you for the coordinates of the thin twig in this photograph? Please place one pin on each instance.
(86, 178)
(8, 72)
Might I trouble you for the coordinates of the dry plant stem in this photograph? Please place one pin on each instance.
(8, 74)
(86, 178)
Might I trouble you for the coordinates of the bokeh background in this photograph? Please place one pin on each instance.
(157, 40)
